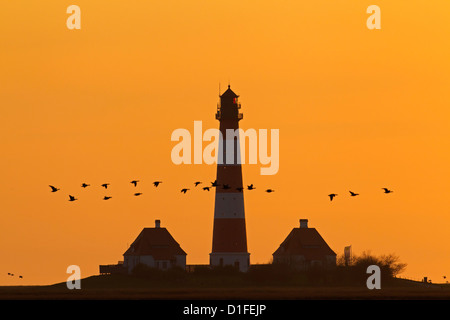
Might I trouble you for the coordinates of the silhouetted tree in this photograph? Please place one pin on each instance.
(356, 271)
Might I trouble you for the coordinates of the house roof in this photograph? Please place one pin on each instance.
(156, 242)
(306, 242)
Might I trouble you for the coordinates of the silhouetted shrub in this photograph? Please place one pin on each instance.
(175, 274)
(202, 270)
(225, 271)
(356, 271)
(270, 273)
(144, 271)
(316, 275)
(171, 275)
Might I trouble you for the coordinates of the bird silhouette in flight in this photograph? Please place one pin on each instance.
(72, 198)
(226, 187)
(239, 189)
(134, 182)
(270, 190)
(138, 194)
(84, 185)
(184, 190)
(353, 194)
(105, 185)
(206, 188)
(214, 184)
(197, 183)
(106, 198)
(250, 187)
(156, 183)
(332, 195)
(20, 277)
(386, 190)
(54, 189)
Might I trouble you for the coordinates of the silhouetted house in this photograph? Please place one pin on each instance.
(304, 248)
(154, 247)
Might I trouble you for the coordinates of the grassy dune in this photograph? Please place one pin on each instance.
(126, 288)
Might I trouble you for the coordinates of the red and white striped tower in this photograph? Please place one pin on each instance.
(229, 245)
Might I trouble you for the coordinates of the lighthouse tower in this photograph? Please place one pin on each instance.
(229, 246)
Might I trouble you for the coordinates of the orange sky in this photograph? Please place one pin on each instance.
(357, 109)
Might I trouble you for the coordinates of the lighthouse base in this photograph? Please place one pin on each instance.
(240, 260)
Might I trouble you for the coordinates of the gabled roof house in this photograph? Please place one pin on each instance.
(154, 247)
(304, 248)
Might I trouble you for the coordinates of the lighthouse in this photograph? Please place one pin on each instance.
(229, 245)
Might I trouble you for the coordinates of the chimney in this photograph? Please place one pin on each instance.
(304, 223)
(157, 223)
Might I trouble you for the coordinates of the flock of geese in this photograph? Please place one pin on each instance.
(157, 183)
(196, 184)
(353, 194)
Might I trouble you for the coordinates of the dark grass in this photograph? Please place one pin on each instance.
(226, 284)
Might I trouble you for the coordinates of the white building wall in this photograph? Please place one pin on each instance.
(180, 261)
(147, 260)
(300, 263)
(130, 262)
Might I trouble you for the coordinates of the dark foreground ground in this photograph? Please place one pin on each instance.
(129, 288)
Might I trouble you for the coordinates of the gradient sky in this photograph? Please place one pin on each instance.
(357, 109)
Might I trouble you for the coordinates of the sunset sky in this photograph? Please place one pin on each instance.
(357, 109)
